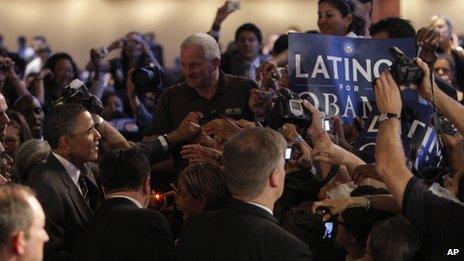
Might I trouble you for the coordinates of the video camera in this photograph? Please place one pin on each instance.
(77, 92)
(288, 108)
(148, 79)
(404, 70)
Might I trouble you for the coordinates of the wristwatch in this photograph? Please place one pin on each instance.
(386, 116)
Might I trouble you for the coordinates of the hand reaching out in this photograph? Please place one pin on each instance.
(196, 153)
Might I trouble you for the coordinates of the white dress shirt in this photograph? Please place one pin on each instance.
(261, 206)
(136, 202)
(72, 170)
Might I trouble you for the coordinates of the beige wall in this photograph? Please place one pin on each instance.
(76, 25)
(420, 11)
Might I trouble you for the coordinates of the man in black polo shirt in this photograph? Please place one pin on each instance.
(206, 90)
(439, 222)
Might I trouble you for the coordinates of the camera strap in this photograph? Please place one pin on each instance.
(436, 121)
(332, 172)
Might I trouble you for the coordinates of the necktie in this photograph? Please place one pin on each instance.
(84, 188)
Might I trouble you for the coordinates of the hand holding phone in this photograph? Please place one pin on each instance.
(288, 153)
(233, 5)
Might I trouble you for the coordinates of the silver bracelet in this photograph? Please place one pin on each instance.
(298, 139)
(164, 143)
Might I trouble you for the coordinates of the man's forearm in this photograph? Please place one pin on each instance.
(19, 86)
(352, 162)
(112, 136)
(453, 110)
(383, 202)
(390, 158)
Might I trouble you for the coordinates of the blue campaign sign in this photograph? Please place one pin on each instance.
(337, 74)
(417, 134)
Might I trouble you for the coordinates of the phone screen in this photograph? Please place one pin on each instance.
(288, 153)
(327, 125)
(328, 233)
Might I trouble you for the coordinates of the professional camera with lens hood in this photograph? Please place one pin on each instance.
(404, 70)
(148, 79)
(77, 92)
(288, 108)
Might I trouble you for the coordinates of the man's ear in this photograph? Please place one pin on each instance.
(146, 185)
(215, 63)
(348, 19)
(18, 243)
(64, 144)
(202, 200)
(275, 179)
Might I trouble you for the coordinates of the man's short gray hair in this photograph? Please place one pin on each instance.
(249, 159)
(206, 41)
(16, 213)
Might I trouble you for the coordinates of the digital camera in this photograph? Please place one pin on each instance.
(148, 79)
(77, 92)
(404, 70)
(288, 108)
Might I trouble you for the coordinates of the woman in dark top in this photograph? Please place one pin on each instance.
(61, 70)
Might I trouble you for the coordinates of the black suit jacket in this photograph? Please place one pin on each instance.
(233, 63)
(239, 231)
(65, 208)
(122, 231)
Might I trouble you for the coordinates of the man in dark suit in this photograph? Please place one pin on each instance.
(122, 228)
(246, 229)
(66, 185)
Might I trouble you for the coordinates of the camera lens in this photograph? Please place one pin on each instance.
(142, 77)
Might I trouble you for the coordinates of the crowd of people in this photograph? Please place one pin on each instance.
(182, 163)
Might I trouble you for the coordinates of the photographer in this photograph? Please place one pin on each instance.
(11, 84)
(142, 98)
(448, 46)
(439, 221)
(135, 52)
